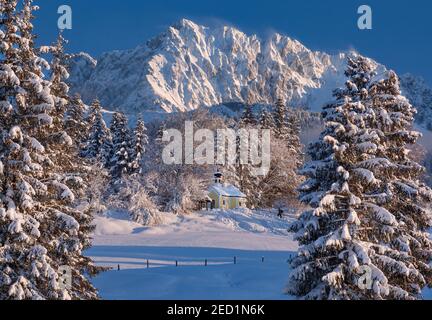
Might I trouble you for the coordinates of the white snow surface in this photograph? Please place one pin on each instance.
(233, 229)
(217, 236)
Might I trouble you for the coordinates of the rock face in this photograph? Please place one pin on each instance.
(81, 67)
(420, 95)
(190, 66)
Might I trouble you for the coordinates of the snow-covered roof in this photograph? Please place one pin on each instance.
(227, 190)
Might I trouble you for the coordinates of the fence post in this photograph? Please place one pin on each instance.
(118, 267)
(176, 263)
(148, 264)
(262, 260)
(206, 262)
(235, 260)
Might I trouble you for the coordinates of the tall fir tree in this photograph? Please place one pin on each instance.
(248, 118)
(139, 145)
(267, 120)
(243, 173)
(58, 75)
(121, 155)
(40, 230)
(280, 118)
(238, 172)
(287, 128)
(160, 130)
(76, 125)
(98, 144)
(293, 137)
(366, 234)
(10, 60)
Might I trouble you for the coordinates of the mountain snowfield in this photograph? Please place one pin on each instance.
(420, 95)
(190, 66)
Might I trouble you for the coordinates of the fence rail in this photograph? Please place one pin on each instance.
(205, 262)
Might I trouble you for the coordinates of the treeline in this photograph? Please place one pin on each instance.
(131, 167)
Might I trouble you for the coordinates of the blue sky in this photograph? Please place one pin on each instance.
(401, 37)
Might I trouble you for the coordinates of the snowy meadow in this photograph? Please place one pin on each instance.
(204, 245)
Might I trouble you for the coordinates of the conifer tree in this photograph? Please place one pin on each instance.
(121, 158)
(266, 120)
(10, 60)
(287, 127)
(41, 231)
(247, 181)
(248, 117)
(366, 234)
(293, 137)
(160, 133)
(58, 74)
(139, 144)
(76, 125)
(280, 118)
(97, 146)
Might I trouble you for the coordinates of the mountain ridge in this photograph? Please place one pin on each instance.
(190, 66)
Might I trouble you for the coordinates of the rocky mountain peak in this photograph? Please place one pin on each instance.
(191, 66)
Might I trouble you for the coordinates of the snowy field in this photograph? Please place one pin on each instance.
(218, 236)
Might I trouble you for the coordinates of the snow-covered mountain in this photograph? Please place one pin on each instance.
(420, 95)
(190, 66)
(81, 67)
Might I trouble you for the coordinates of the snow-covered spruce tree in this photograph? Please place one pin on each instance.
(59, 74)
(9, 60)
(366, 234)
(280, 118)
(139, 144)
(76, 125)
(247, 181)
(40, 231)
(120, 161)
(69, 115)
(287, 126)
(69, 109)
(293, 137)
(266, 120)
(97, 146)
(248, 117)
